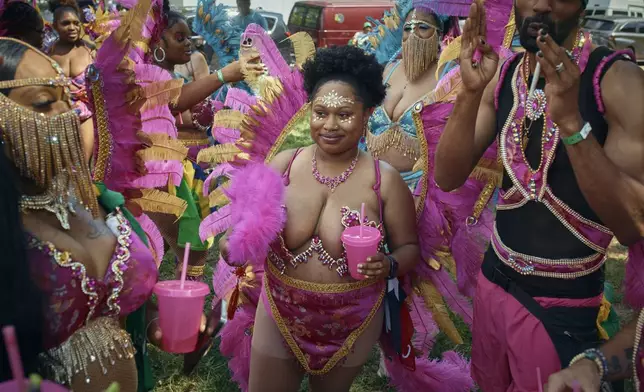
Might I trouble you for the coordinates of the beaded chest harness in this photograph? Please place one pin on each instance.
(530, 184)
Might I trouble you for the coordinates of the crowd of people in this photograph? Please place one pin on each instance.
(497, 162)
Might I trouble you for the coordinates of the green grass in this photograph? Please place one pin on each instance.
(212, 373)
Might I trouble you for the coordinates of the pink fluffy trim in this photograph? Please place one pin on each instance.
(452, 374)
(236, 344)
(256, 195)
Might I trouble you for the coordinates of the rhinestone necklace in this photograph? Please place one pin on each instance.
(332, 182)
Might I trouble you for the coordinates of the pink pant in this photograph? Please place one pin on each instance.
(509, 343)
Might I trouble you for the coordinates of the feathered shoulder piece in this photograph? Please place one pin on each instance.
(258, 125)
(214, 25)
(136, 147)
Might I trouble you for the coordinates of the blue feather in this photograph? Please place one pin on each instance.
(214, 25)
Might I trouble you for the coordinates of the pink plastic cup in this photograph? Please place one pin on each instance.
(45, 386)
(180, 313)
(360, 248)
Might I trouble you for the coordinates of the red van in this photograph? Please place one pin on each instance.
(334, 22)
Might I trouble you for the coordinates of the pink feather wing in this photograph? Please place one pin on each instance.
(256, 196)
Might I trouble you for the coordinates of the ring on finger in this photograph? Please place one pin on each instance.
(475, 64)
(560, 67)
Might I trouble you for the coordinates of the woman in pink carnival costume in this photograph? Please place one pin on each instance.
(263, 126)
(138, 150)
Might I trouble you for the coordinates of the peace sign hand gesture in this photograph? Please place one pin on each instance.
(478, 61)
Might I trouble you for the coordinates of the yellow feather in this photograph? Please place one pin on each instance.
(219, 153)
(154, 200)
(450, 53)
(160, 153)
(162, 93)
(218, 198)
(228, 119)
(436, 305)
(131, 27)
(303, 47)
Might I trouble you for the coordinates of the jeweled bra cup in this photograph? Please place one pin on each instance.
(279, 252)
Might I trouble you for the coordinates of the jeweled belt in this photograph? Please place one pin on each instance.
(102, 340)
(570, 268)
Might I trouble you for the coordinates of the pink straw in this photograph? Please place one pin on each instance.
(361, 219)
(184, 268)
(539, 382)
(11, 343)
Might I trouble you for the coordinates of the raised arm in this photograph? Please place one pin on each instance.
(195, 92)
(470, 130)
(611, 178)
(471, 126)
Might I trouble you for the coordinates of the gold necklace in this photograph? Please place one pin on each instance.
(51, 203)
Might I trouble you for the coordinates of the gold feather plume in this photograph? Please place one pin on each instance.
(436, 305)
(303, 47)
(156, 94)
(153, 200)
(131, 28)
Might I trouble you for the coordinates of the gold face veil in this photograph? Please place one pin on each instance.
(47, 149)
(418, 54)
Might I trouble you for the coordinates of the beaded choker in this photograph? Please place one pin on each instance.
(332, 182)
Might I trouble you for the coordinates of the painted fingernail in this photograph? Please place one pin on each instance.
(360, 266)
(542, 39)
(368, 258)
(540, 53)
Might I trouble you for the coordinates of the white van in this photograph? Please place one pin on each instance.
(633, 8)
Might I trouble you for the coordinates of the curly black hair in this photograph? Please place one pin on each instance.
(350, 65)
(20, 19)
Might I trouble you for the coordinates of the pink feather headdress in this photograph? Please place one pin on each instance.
(258, 123)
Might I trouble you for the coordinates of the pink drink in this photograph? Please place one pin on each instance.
(360, 248)
(180, 313)
(45, 386)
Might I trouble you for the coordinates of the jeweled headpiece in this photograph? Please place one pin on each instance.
(334, 100)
